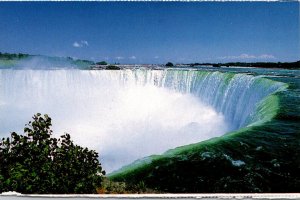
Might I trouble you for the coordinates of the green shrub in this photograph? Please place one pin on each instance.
(115, 187)
(111, 187)
(169, 64)
(38, 163)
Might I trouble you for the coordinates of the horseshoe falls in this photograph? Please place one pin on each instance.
(259, 151)
(127, 115)
(175, 130)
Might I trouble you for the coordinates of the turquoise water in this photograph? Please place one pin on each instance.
(261, 156)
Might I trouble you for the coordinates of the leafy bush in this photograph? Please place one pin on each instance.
(115, 187)
(38, 163)
(111, 187)
(169, 64)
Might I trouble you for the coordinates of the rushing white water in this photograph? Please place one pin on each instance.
(123, 115)
(130, 114)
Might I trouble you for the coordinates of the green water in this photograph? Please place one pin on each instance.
(261, 156)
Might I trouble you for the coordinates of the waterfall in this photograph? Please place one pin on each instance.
(234, 95)
(130, 114)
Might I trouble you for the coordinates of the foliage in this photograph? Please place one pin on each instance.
(101, 63)
(112, 67)
(38, 163)
(110, 187)
(169, 64)
(8, 59)
(216, 65)
(9, 56)
(114, 187)
(285, 65)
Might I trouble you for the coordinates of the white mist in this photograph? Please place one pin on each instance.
(123, 115)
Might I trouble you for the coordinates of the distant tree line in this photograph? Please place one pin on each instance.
(79, 60)
(286, 65)
(18, 56)
(10, 56)
(169, 64)
(101, 63)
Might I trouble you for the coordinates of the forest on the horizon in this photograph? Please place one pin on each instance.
(285, 65)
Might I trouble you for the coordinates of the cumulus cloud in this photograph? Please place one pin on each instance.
(267, 56)
(119, 57)
(80, 44)
(246, 56)
(76, 44)
(132, 57)
(249, 56)
(84, 42)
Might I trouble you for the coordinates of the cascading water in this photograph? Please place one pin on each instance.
(234, 95)
(130, 114)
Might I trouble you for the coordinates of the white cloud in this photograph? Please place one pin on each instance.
(119, 57)
(156, 57)
(246, 56)
(76, 44)
(267, 56)
(132, 57)
(80, 44)
(249, 56)
(84, 42)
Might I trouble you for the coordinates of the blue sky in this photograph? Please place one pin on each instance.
(153, 32)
